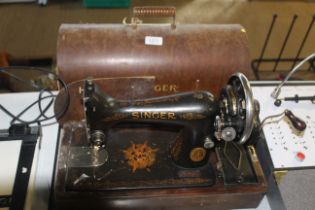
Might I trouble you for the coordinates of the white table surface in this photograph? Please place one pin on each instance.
(283, 141)
(43, 164)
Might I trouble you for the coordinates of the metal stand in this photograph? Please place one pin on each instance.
(29, 136)
(276, 60)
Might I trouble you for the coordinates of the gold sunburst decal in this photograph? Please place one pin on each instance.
(140, 156)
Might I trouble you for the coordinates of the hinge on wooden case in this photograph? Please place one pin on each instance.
(279, 175)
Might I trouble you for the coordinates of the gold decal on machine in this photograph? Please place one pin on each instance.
(154, 115)
(166, 88)
(140, 156)
(197, 154)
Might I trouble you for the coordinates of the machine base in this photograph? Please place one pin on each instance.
(138, 190)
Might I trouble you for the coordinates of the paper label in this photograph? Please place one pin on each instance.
(153, 40)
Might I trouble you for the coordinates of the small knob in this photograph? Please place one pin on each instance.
(300, 156)
(297, 123)
(208, 143)
(277, 102)
(98, 139)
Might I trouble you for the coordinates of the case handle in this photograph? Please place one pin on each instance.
(155, 11)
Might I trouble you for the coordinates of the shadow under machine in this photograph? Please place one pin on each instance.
(158, 117)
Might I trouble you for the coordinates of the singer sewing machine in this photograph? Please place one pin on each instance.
(189, 140)
(158, 118)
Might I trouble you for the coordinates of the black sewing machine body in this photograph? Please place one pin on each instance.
(193, 113)
(162, 142)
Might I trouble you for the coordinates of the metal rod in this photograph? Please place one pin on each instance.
(272, 60)
(263, 122)
(283, 71)
(274, 17)
(255, 71)
(276, 92)
(304, 40)
(285, 42)
(275, 59)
